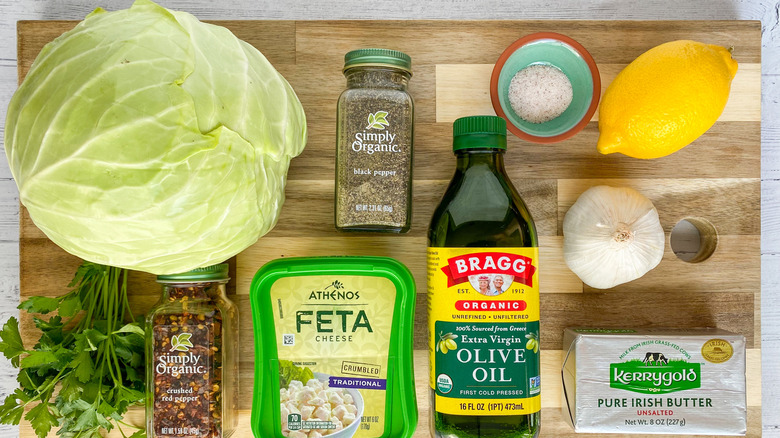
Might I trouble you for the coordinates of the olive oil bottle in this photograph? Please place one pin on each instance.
(483, 296)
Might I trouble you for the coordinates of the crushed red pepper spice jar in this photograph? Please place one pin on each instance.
(192, 371)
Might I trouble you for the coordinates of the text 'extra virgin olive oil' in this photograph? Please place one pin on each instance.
(483, 296)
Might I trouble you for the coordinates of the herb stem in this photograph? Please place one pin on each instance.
(89, 369)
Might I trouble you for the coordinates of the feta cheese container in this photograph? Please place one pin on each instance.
(654, 381)
(333, 348)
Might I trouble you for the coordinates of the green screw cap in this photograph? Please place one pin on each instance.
(208, 273)
(378, 57)
(479, 132)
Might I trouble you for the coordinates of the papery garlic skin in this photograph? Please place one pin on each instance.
(612, 235)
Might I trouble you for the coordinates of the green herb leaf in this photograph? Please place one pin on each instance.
(41, 419)
(131, 328)
(81, 272)
(86, 419)
(138, 434)
(26, 381)
(84, 367)
(47, 325)
(52, 332)
(11, 410)
(70, 390)
(94, 337)
(123, 352)
(104, 412)
(39, 304)
(11, 341)
(131, 373)
(76, 405)
(127, 396)
(70, 306)
(38, 358)
(371, 121)
(136, 361)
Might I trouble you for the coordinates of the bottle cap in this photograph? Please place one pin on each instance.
(208, 273)
(479, 132)
(378, 58)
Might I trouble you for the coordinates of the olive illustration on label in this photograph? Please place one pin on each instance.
(533, 342)
(446, 342)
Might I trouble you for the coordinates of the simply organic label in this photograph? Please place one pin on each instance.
(182, 377)
(375, 137)
(175, 363)
(375, 163)
(333, 337)
(484, 330)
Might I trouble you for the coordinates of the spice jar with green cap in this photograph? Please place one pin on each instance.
(483, 296)
(191, 348)
(374, 150)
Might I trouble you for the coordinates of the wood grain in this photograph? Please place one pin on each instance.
(676, 199)
(552, 423)
(716, 177)
(480, 42)
(464, 91)
(727, 150)
(411, 251)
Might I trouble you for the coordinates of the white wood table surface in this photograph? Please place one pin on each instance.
(768, 12)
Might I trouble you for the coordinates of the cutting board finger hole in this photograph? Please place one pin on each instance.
(694, 239)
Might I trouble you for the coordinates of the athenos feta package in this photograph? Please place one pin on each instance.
(333, 349)
(654, 381)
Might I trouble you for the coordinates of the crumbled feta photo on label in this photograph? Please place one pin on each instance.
(316, 401)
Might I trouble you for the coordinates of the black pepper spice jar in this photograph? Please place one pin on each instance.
(374, 149)
(192, 370)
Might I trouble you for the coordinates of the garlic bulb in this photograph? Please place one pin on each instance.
(612, 235)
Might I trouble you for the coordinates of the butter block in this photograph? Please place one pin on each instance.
(654, 381)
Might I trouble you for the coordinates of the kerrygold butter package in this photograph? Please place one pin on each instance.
(654, 381)
(333, 348)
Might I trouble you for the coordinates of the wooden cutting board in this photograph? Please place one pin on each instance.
(716, 178)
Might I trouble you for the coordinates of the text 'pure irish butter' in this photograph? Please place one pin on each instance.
(654, 381)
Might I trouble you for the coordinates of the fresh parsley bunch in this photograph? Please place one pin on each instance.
(87, 354)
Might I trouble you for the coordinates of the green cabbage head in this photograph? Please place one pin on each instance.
(147, 140)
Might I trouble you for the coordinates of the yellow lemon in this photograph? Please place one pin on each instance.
(665, 99)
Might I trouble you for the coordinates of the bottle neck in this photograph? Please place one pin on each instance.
(493, 159)
(194, 291)
(377, 77)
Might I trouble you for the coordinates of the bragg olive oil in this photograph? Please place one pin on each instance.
(483, 296)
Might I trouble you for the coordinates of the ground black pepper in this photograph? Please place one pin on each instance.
(374, 143)
(192, 371)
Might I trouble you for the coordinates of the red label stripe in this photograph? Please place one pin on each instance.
(459, 269)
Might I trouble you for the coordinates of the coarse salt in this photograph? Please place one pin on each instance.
(540, 93)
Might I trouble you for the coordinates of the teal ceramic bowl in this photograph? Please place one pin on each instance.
(573, 60)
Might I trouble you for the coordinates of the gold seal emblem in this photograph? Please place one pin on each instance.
(717, 350)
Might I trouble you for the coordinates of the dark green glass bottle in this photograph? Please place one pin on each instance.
(482, 212)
